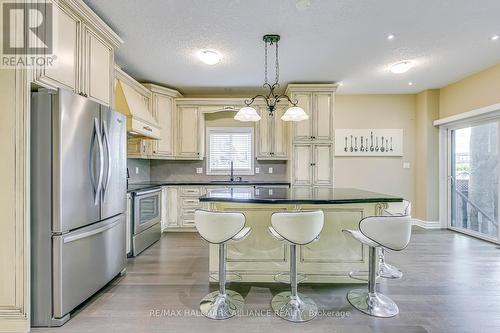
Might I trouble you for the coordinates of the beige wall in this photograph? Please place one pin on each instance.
(426, 203)
(382, 174)
(475, 91)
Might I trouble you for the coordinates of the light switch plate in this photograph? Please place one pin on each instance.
(270, 170)
(199, 170)
(257, 170)
(406, 165)
(136, 170)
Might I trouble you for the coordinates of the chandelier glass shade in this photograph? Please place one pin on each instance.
(272, 99)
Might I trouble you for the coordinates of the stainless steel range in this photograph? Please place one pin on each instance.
(146, 219)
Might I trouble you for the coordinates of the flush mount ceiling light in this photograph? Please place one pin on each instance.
(390, 37)
(209, 57)
(302, 4)
(294, 113)
(494, 38)
(401, 67)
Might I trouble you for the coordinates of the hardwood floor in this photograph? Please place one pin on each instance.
(451, 283)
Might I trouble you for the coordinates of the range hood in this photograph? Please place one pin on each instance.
(140, 122)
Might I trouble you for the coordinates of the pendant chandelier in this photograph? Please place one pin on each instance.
(294, 113)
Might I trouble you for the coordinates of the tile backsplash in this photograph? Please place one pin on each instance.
(142, 166)
(163, 170)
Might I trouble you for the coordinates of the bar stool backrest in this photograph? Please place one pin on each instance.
(298, 227)
(218, 227)
(392, 232)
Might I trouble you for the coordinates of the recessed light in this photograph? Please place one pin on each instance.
(401, 67)
(210, 57)
(390, 37)
(340, 84)
(410, 83)
(494, 38)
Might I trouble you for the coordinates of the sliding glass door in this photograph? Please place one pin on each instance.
(474, 179)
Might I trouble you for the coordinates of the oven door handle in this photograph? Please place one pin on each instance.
(138, 194)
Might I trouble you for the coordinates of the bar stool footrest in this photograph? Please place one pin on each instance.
(284, 277)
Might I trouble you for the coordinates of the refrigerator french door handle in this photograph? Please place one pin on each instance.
(101, 161)
(106, 138)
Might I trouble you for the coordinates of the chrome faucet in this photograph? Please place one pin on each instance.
(232, 173)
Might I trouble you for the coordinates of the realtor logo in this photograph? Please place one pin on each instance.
(27, 33)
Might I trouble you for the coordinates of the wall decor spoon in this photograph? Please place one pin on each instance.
(371, 142)
(352, 148)
(356, 144)
(382, 149)
(391, 143)
(345, 148)
(376, 145)
(362, 148)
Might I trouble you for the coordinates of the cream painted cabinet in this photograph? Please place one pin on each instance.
(271, 135)
(302, 165)
(171, 215)
(303, 130)
(318, 102)
(139, 148)
(164, 112)
(83, 54)
(99, 67)
(65, 69)
(189, 134)
(312, 165)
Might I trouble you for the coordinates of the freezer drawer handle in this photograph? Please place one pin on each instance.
(90, 232)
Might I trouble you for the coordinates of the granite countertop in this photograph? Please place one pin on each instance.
(289, 196)
(152, 184)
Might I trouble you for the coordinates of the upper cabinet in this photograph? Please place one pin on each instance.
(271, 138)
(318, 101)
(99, 67)
(84, 49)
(163, 102)
(189, 133)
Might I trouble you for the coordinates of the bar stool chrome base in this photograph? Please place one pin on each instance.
(297, 309)
(389, 271)
(373, 304)
(222, 306)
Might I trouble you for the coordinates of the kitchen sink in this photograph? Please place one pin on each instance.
(228, 181)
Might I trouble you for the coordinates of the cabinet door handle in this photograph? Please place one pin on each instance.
(147, 128)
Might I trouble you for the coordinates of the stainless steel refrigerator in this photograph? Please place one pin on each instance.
(78, 201)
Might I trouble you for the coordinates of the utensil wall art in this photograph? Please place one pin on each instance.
(369, 142)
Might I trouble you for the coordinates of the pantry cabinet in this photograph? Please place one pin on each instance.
(83, 54)
(318, 102)
(271, 138)
(312, 164)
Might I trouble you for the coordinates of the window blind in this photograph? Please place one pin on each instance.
(230, 144)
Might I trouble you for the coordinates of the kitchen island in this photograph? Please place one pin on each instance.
(261, 258)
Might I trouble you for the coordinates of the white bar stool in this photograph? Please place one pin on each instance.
(219, 228)
(386, 270)
(391, 232)
(296, 228)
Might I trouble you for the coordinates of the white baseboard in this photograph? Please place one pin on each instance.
(427, 224)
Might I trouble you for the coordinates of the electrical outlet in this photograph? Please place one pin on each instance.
(136, 170)
(257, 170)
(199, 170)
(270, 191)
(406, 165)
(270, 170)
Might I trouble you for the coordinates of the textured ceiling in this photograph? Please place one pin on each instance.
(341, 40)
